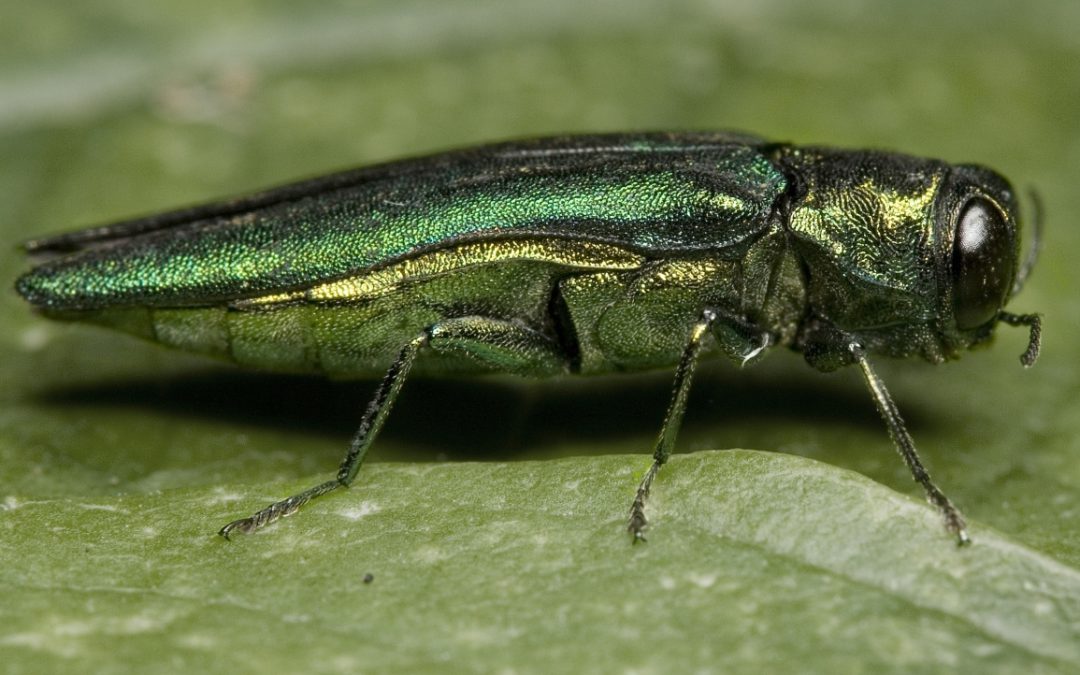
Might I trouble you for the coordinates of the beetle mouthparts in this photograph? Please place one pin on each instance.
(1034, 321)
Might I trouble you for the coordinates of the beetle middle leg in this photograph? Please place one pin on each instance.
(505, 345)
(739, 339)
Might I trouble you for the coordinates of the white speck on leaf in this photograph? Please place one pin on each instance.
(359, 511)
(702, 580)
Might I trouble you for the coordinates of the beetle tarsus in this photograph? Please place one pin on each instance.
(954, 523)
(278, 510)
(962, 538)
(258, 520)
(638, 523)
(244, 525)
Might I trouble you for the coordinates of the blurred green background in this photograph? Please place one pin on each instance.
(119, 460)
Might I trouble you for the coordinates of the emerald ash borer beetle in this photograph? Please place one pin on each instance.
(573, 255)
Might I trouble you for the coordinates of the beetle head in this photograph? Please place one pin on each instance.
(908, 256)
(978, 228)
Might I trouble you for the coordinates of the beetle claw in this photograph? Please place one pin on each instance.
(245, 525)
(638, 522)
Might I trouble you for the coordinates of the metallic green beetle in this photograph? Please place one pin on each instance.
(580, 254)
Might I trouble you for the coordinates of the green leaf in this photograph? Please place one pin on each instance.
(755, 558)
(119, 460)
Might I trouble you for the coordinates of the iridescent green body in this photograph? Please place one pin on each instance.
(585, 254)
(649, 207)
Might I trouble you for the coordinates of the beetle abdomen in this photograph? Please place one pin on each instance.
(353, 326)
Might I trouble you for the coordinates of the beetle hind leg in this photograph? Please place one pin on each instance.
(373, 419)
(504, 345)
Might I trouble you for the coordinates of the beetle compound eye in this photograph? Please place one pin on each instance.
(982, 263)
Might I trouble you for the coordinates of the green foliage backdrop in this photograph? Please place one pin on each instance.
(491, 515)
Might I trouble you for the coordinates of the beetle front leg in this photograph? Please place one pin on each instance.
(749, 344)
(504, 345)
(954, 521)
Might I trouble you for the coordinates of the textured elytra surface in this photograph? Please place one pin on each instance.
(92, 426)
(679, 195)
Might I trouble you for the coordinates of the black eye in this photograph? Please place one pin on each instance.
(982, 263)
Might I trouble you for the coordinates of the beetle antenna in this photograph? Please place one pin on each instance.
(1036, 242)
(1034, 321)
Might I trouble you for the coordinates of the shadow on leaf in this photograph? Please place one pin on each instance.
(495, 417)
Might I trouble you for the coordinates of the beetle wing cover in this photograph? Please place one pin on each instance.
(655, 194)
